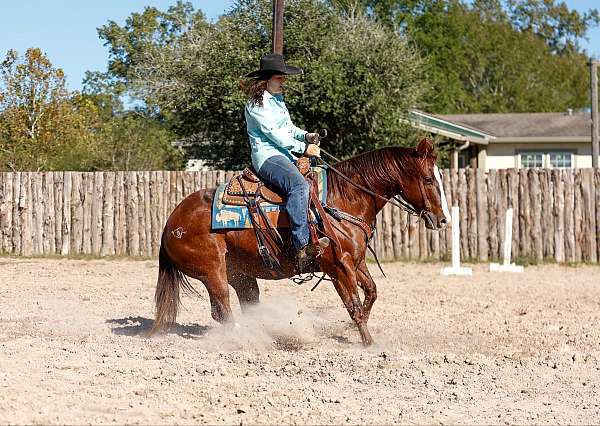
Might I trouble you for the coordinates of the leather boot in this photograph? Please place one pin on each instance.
(307, 254)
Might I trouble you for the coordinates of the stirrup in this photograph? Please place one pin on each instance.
(323, 244)
(308, 254)
(311, 250)
(304, 260)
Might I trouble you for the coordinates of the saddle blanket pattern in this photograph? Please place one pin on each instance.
(226, 216)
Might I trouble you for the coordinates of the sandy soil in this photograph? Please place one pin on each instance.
(493, 348)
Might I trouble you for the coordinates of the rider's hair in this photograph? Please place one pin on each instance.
(255, 88)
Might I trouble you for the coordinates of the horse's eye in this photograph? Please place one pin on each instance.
(428, 180)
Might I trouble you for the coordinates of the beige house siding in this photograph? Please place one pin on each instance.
(506, 155)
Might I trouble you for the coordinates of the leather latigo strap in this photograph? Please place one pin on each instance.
(268, 239)
(327, 228)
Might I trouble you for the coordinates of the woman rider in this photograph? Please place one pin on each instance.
(273, 137)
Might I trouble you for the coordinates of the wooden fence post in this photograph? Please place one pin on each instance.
(535, 215)
(597, 204)
(77, 194)
(547, 224)
(6, 212)
(578, 216)
(66, 222)
(481, 209)
(97, 204)
(120, 216)
(88, 195)
(463, 194)
(133, 234)
(38, 207)
(589, 229)
(559, 216)
(569, 221)
(26, 214)
(107, 245)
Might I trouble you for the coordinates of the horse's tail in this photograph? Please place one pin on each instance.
(166, 296)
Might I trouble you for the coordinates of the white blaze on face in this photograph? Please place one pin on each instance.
(438, 177)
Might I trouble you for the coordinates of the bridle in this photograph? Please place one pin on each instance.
(397, 200)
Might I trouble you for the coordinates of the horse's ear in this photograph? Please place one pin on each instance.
(425, 148)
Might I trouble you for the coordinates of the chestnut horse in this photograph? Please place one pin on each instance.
(224, 258)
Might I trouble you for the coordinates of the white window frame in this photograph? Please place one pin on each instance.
(521, 153)
(561, 152)
(545, 157)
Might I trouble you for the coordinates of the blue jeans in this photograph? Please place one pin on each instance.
(284, 175)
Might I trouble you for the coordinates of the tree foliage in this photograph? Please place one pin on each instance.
(366, 62)
(360, 78)
(558, 26)
(478, 62)
(131, 141)
(493, 55)
(43, 126)
(129, 43)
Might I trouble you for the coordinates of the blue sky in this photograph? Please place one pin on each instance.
(66, 29)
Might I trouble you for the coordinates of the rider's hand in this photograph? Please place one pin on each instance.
(312, 150)
(312, 138)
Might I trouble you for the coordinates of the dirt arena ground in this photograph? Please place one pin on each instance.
(492, 348)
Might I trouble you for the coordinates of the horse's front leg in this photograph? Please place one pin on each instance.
(345, 282)
(366, 282)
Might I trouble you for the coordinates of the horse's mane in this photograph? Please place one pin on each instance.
(385, 165)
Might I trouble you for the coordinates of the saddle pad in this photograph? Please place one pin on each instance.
(237, 217)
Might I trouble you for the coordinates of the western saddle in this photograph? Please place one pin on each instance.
(247, 189)
(248, 184)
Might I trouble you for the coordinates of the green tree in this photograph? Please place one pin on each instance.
(478, 62)
(360, 78)
(131, 141)
(42, 125)
(130, 42)
(560, 27)
(493, 55)
(551, 20)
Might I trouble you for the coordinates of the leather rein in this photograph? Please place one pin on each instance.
(396, 200)
(369, 230)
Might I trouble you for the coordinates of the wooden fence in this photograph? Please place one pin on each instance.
(557, 214)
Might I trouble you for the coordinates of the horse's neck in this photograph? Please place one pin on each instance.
(360, 203)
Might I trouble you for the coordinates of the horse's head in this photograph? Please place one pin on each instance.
(424, 191)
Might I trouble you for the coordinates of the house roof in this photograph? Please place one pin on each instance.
(530, 127)
(453, 130)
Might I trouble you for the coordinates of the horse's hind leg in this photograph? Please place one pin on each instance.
(246, 289)
(218, 290)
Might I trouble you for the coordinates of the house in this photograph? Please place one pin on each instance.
(514, 140)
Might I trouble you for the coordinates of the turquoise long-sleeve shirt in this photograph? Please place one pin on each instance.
(271, 130)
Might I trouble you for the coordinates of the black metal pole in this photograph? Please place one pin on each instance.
(278, 26)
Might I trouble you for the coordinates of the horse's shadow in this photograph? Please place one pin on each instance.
(140, 326)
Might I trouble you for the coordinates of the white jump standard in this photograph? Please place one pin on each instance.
(507, 266)
(456, 269)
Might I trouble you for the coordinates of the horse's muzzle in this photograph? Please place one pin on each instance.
(433, 222)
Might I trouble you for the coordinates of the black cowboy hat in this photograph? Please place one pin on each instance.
(272, 63)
